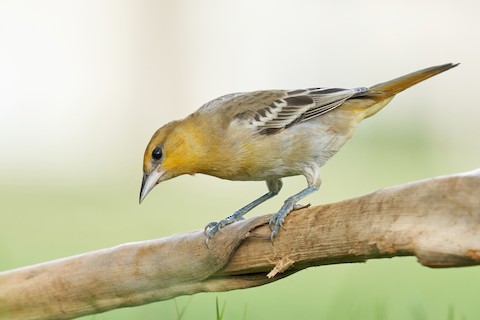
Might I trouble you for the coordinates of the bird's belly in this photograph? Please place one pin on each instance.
(297, 150)
(293, 151)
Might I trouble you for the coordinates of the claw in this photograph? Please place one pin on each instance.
(212, 228)
(211, 225)
(298, 206)
(289, 205)
(277, 220)
(272, 235)
(206, 242)
(207, 238)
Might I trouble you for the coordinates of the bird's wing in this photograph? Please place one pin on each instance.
(215, 103)
(269, 116)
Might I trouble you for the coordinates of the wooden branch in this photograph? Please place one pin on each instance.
(437, 220)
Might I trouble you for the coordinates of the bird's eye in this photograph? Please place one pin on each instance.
(157, 153)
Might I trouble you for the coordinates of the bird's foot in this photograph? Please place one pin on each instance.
(298, 206)
(213, 227)
(277, 220)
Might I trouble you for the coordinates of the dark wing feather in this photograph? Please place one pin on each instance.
(297, 106)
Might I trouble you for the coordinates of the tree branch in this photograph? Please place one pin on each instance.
(436, 220)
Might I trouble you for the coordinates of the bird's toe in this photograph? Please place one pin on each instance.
(298, 206)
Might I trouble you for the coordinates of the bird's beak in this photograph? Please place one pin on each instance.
(149, 181)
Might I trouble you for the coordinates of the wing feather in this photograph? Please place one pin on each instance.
(297, 106)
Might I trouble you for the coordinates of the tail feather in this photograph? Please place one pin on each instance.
(379, 95)
(397, 85)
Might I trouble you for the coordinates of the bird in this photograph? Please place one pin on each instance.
(265, 136)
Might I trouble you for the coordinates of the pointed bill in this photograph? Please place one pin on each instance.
(149, 181)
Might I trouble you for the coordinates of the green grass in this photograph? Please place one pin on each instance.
(219, 311)
(181, 310)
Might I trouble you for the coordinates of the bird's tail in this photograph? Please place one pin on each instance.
(397, 85)
(382, 93)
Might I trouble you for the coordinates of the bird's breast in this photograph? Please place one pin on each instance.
(245, 155)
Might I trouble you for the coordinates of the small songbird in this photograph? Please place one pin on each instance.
(267, 135)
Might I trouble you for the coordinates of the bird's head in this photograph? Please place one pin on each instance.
(168, 155)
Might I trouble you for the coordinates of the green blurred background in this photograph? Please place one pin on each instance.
(84, 84)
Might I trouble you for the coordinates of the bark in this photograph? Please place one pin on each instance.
(436, 220)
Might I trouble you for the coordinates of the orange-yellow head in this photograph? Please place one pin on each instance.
(168, 155)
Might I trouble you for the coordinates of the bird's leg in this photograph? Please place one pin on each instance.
(212, 228)
(290, 204)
